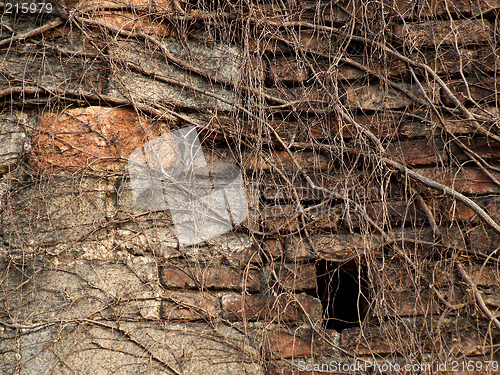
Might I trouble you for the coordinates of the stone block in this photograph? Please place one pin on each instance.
(57, 211)
(85, 289)
(132, 347)
(12, 139)
(165, 82)
(21, 68)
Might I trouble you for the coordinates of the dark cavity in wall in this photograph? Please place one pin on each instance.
(343, 291)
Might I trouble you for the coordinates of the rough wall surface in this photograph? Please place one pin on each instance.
(368, 136)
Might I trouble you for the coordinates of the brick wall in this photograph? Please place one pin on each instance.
(369, 142)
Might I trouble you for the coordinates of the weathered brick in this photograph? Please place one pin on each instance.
(158, 5)
(449, 61)
(287, 71)
(307, 99)
(296, 277)
(432, 8)
(453, 210)
(483, 90)
(417, 151)
(485, 148)
(189, 306)
(484, 239)
(457, 337)
(272, 247)
(98, 138)
(370, 10)
(133, 22)
(309, 11)
(329, 186)
(395, 211)
(434, 33)
(209, 277)
(412, 303)
(465, 180)
(307, 40)
(284, 308)
(376, 63)
(334, 247)
(375, 97)
(289, 344)
(285, 218)
(281, 159)
(59, 210)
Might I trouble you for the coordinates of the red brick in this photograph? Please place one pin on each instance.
(290, 344)
(479, 90)
(296, 277)
(465, 180)
(285, 308)
(438, 33)
(189, 306)
(98, 138)
(287, 71)
(209, 277)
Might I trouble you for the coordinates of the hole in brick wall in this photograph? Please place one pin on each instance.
(343, 291)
